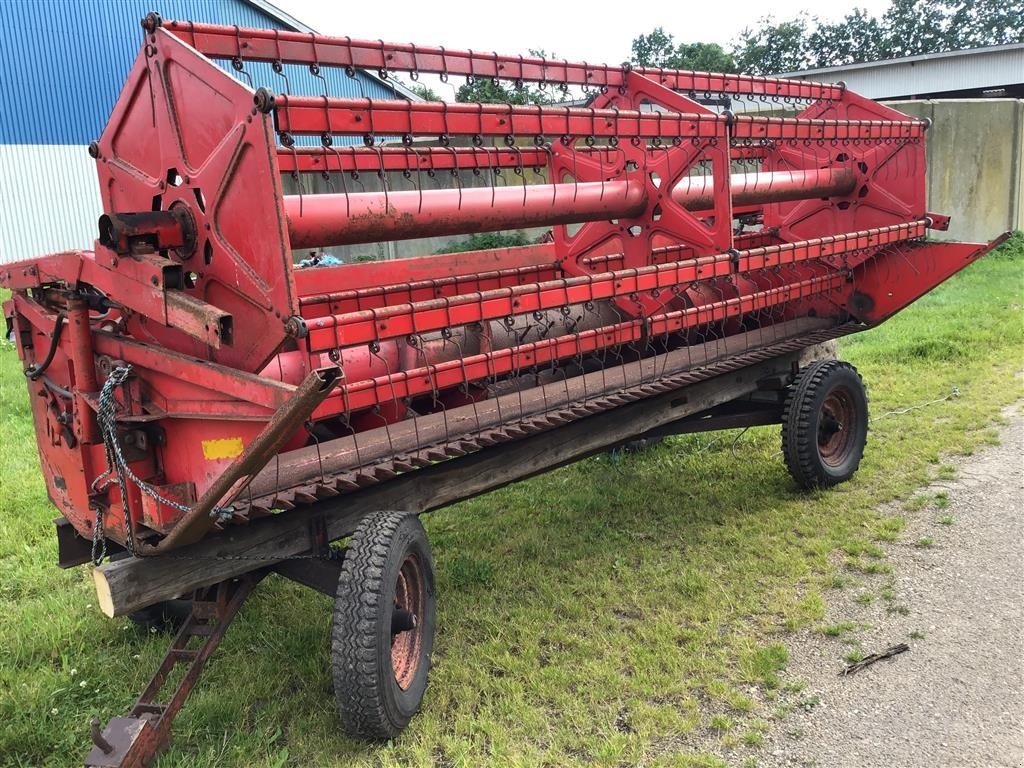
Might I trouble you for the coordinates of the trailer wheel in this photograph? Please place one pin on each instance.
(825, 424)
(383, 628)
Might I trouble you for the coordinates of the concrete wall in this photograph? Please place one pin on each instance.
(975, 164)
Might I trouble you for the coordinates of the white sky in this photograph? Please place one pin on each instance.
(595, 32)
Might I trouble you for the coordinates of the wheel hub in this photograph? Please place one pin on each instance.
(407, 621)
(835, 426)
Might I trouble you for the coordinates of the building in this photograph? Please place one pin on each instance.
(975, 145)
(996, 71)
(64, 64)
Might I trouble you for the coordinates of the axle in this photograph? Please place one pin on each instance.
(366, 217)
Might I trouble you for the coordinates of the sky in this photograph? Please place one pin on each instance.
(598, 32)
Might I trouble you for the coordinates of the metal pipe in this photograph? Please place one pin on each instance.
(339, 219)
(697, 193)
(366, 217)
(84, 362)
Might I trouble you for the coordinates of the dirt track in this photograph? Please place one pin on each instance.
(957, 597)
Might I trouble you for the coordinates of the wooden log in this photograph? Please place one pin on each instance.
(133, 583)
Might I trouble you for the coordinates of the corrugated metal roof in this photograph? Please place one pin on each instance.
(65, 62)
(911, 59)
(975, 69)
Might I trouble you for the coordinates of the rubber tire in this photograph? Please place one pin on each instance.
(801, 416)
(371, 703)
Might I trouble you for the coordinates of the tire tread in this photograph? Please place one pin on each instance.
(799, 442)
(358, 684)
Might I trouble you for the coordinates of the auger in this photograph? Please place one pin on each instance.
(208, 411)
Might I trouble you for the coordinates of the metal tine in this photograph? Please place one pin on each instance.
(437, 403)
(466, 383)
(374, 348)
(346, 421)
(239, 66)
(237, 62)
(309, 426)
(518, 169)
(350, 71)
(382, 175)
(277, 66)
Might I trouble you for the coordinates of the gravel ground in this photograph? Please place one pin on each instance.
(956, 596)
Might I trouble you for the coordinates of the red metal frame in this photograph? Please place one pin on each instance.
(672, 223)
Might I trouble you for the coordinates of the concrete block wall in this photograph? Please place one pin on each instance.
(975, 155)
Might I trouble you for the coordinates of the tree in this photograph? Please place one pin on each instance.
(425, 92)
(857, 37)
(774, 48)
(977, 23)
(907, 28)
(488, 91)
(654, 49)
(912, 27)
(659, 49)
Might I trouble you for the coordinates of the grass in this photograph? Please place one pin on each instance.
(838, 630)
(625, 610)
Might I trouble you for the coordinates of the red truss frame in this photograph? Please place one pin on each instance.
(675, 224)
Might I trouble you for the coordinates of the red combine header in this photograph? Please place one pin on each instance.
(206, 410)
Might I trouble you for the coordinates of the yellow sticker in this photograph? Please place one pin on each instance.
(222, 448)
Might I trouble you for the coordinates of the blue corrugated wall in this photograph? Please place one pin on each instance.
(62, 65)
(64, 62)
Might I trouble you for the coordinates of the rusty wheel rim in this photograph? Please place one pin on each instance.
(407, 621)
(837, 427)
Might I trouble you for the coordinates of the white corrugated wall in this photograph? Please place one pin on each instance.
(920, 75)
(50, 200)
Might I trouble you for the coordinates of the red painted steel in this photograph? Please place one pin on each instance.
(274, 45)
(320, 220)
(312, 115)
(669, 222)
(366, 217)
(418, 159)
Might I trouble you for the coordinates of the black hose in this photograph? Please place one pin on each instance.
(51, 385)
(36, 370)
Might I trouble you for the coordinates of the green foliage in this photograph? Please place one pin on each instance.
(486, 240)
(774, 48)
(764, 664)
(659, 49)
(425, 92)
(837, 630)
(907, 28)
(486, 90)
(857, 37)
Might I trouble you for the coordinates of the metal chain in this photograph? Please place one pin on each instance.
(106, 416)
(122, 472)
(99, 541)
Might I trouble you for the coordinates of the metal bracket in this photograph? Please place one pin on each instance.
(134, 740)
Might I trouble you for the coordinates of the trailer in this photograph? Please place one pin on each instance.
(213, 403)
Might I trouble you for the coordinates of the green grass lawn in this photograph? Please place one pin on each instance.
(630, 609)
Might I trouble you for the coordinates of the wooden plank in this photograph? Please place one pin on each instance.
(133, 583)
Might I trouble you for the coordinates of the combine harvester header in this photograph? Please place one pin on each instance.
(197, 393)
